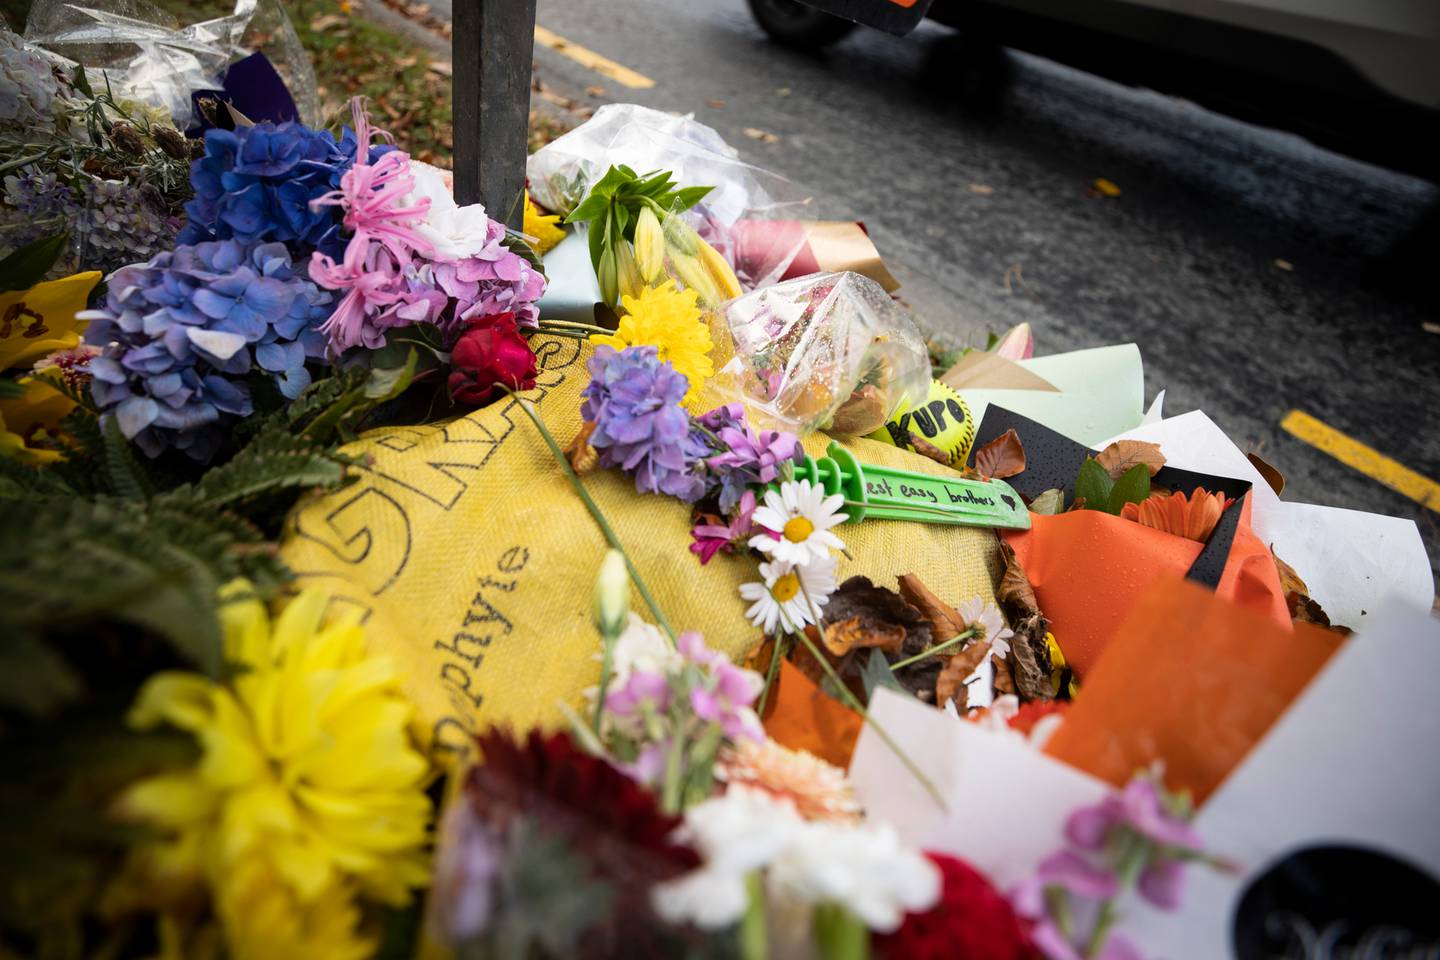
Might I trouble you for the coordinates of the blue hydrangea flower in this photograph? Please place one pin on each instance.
(255, 184)
(183, 332)
(634, 401)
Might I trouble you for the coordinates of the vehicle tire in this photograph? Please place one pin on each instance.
(798, 25)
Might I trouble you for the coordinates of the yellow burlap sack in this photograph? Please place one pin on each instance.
(474, 560)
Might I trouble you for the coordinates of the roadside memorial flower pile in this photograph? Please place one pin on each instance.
(801, 640)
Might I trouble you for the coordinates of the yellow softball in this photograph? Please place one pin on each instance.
(943, 420)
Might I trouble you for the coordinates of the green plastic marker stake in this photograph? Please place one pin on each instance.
(885, 493)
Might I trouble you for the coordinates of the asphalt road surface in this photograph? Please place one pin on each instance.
(1251, 268)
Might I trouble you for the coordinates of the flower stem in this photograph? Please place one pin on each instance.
(770, 676)
(854, 703)
(670, 798)
(599, 517)
(547, 325)
(966, 635)
(607, 657)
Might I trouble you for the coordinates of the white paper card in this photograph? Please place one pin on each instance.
(1006, 801)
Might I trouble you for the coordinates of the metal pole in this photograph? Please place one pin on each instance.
(492, 43)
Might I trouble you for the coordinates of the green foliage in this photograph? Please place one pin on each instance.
(612, 209)
(1094, 486)
(107, 537)
(27, 266)
(877, 673)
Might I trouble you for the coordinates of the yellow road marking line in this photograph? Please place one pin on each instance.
(591, 60)
(1367, 460)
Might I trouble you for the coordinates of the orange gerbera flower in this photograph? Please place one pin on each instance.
(1193, 517)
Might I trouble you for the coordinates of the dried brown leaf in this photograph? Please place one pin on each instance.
(1029, 659)
(714, 104)
(1004, 682)
(1002, 457)
(950, 684)
(1290, 581)
(945, 621)
(1272, 476)
(583, 457)
(842, 636)
(927, 449)
(1121, 455)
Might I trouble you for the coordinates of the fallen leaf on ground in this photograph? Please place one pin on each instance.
(595, 91)
(324, 22)
(1285, 265)
(1029, 659)
(712, 102)
(981, 190)
(754, 133)
(1106, 188)
(1272, 476)
(1002, 457)
(1121, 455)
(441, 67)
(1049, 503)
(945, 621)
(950, 684)
(1429, 327)
(783, 92)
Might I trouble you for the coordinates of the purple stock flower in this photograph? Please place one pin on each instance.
(1163, 883)
(728, 701)
(1142, 809)
(640, 688)
(1074, 874)
(750, 458)
(634, 401)
(711, 538)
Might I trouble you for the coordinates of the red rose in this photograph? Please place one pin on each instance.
(972, 921)
(489, 353)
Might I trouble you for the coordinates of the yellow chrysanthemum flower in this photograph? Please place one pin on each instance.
(544, 227)
(667, 318)
(307, 775)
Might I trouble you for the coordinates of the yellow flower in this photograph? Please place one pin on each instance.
(41, 320)
(544, 227)
(265, 920)
(1058, 666)
(307, 774)
(30, 423)
(669, 319)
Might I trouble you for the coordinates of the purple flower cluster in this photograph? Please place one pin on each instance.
(750, 458)
(181, 333)
(496, 280)
(703, 691)
(255, 184)
(634, 401)
(1136, 833)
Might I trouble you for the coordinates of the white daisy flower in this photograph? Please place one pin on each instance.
(802, 515)
(989, 626)
(782, 599)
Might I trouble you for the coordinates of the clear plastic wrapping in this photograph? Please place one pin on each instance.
(830, 351)
(561, 173)
(146, 54)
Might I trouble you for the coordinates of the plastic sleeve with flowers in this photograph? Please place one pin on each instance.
(829, 352)
(669, 247)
